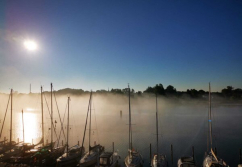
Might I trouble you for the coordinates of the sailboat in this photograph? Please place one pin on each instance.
(188, 161)
(108, 159)
(29, 149)
(17, 152)
(73, 154)
(47, 154)
(12, 148)
(134, 158)
(90, 158)
(211, 159)
(9, 145)
(158, 160)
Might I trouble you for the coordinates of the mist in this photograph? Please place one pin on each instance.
(182, 123)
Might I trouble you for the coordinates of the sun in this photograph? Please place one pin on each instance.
(30, 45)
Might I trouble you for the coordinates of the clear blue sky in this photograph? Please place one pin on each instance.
(108, 43)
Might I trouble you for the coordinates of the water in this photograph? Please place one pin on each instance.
(181, 123)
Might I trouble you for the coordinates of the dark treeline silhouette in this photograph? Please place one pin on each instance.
(228, 93)
(232, 93)
(170, 91)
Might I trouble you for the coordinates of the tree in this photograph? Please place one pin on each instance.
(171, 90)
(159, 89)
(228, 92)
(149, 90)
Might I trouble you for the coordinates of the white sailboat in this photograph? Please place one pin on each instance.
(158, 160)
(91, 157)
(211, 159)
(134, 158)
(73, 154)
(186, 161)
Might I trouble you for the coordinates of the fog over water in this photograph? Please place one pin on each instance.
(181, 123)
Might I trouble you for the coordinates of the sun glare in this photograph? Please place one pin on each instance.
(30, 45)
(30, 127)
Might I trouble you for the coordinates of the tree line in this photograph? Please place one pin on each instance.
(170, 91)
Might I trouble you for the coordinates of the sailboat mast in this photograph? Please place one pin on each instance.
(130, 127)
(51, 118)
(90, 122)
(23, 123)
(42, 113)
(11, 119)
(86, 123)
(157, 146)
(68, 126)
(210, 117)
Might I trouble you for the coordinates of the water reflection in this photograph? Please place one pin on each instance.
(184, 125)
(31, 126)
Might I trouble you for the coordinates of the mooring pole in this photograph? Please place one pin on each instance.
(113, 150)
(150, 154)
(171, 154)
(240, 157)
(193, 152)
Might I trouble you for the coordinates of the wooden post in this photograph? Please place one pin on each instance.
(113, 151)
(171, 154)
(240, 157)
(150, 154)
(193, 152)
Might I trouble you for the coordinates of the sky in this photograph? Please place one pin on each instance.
(108, 44)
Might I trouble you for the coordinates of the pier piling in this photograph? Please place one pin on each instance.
(172, 154)
(193, 152)
(240, 156)
(150, 154)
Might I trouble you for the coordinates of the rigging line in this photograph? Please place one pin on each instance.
(95, 121)
(86, 123)
(214, 127)
(50, 115)
(63, 120)
(59, 118)
(36, 103)
(74, 126)
(5, 115)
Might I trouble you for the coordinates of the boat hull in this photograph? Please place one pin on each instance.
(186, 161)
(91, 158)
(133, 160)
(71, 159)
(159, 161)
(209, 160)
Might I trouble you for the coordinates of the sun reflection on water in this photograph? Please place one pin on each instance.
(31, 130)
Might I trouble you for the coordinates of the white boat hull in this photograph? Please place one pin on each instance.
(133, 160)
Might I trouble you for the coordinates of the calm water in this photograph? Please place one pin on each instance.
(182, 124)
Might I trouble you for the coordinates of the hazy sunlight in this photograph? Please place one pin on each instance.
(30, 45)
